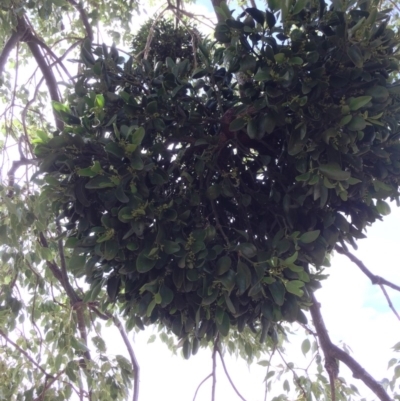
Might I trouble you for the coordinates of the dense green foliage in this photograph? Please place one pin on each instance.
(167, 40)
(202, 209)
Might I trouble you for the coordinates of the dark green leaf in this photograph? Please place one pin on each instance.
(278, 291)
(334, 172)
(309, 236)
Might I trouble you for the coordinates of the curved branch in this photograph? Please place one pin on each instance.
(10, 44)
(227, 375)
(26, 35)
(84, 18)
(131, 352)
(201, 383)
(134, 361)
(333, 352)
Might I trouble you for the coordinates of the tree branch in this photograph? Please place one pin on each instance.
(332, 352)
(374, 278)
(389, 301)
(47, 375)
(227, 375)
(10, 44)
(84, 18)
(201, 383)
(134, 361)
(26, 35)
(214, 368)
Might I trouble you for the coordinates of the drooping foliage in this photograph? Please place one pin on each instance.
(205, 210)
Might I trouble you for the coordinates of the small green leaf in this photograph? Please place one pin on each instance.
(213, 191)
(382, 207)
(299, 6)
(143, 263)
(99, 101)
(334, 172)
(379, 93)
(356, 103)
(248, 249)
(199, 73)
(224, 326)
(291, 259)
(280, 58)
(309, 236)
(278, 291)
(356, 56)
(237, 124)
(99, 182)
(294, 287)
(137, 136)
(357, 123)
(170, 247)
(223, 265)
(305, 346)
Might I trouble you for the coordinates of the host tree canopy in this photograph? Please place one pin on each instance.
(195, 183)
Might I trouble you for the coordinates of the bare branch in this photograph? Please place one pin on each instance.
(227, 375)
(269, 366)
(134, 361)
(214, 369)
(389, 301)
(374, 278)
(333, 352)
(201, 383)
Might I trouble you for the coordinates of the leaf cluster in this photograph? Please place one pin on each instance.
(204, 210)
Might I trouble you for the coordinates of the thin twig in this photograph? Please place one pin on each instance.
(269, 365)
(214, 368)
(389, 301)
(218, 224)
(227, 375)
(47, 375)
(134, 361)
(296, 377)
(374, 278)
(201, 383)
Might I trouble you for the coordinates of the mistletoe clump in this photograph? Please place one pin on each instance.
(166, 40)
(205, 211)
